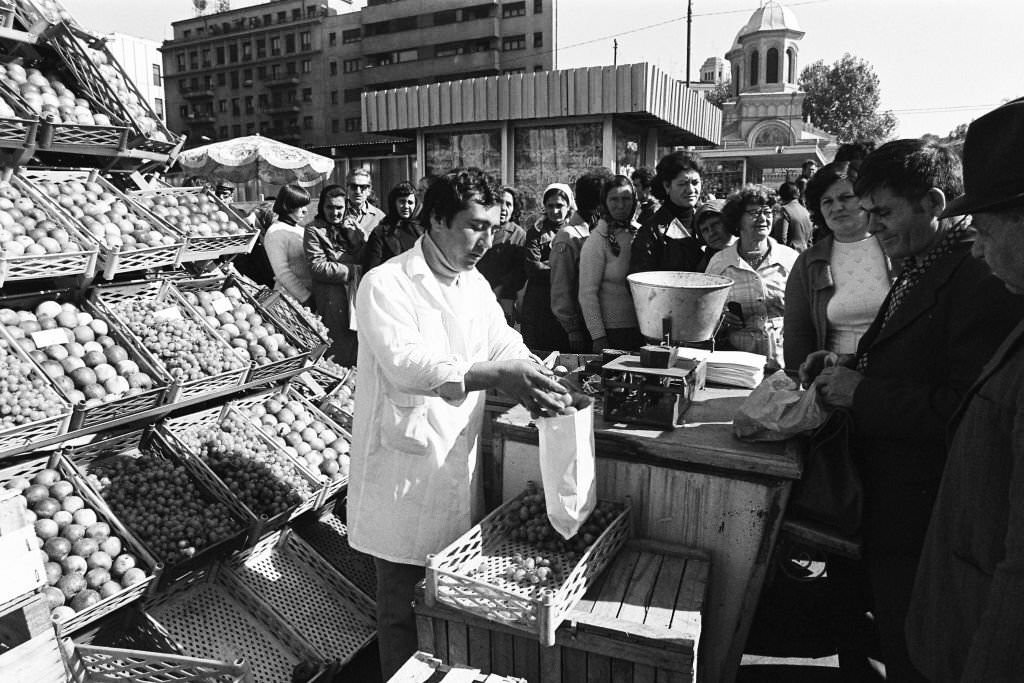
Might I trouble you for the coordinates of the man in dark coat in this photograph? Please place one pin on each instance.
(792, 225)
(966, 619)
(943, 318)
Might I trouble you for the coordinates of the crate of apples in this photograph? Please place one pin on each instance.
(162, 497)
(31, 410)
(211, 228)
(87, 360)
(35, 240)
(128, 238)
(240, 322)
(93, 565)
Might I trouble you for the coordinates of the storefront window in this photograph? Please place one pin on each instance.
(549, 154)
(722, 177)
(447, 151)
(629, 140)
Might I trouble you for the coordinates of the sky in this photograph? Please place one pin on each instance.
(940, 62)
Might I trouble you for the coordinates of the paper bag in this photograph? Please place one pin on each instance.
(567, 467)
(777, 410)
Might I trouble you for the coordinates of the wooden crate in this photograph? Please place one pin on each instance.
(423, 668)
(641, 621)
(30, 651)
(21, 573)
(470, 573)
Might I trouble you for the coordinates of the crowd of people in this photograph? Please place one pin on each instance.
(867, 278)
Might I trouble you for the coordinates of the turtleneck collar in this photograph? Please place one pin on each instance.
(288, 220)
(683, 213)
(438, 263)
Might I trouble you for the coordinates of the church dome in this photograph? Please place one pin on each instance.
(771, 16)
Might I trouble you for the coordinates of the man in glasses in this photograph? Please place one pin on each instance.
(361, 213)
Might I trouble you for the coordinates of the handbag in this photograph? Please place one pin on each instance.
(830, 492)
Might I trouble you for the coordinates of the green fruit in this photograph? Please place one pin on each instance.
(85, 599)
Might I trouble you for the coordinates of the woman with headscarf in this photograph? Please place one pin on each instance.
(541, 330)
(504, 264)
(605, 300)
(397, 232)
(333, 251)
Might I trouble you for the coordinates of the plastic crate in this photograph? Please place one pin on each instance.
(272, 371)
(97, 416)
(107, 299)
(180, 432)
(129, 542)
(114, 260)
(35, 16)
(48, 266)
(469, 574)
(205, 247)
(97, 664)
(211, 614)
(283, 570)
(133, 443)
(329, 536)
(290, 315)
(18, 132)
(330, 488)
(21, 436)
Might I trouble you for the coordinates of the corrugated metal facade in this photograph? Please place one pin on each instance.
(638, 89)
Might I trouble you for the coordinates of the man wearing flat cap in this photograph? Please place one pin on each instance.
(966, 618)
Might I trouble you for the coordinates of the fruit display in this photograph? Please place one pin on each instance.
(49, 98)
(76, 351)
(126, 95)
(302, 433)
(107, 218)
(528, 520)
(532, 571)
(192, 213)
(159, 500)
(261, 475)
(242, 326)
(26, 229)
(25, 394)
(85, 562)
(181, 343)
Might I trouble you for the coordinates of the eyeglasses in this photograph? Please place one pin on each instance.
(359, 188)
(757, 213)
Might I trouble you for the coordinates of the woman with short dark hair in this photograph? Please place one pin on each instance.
(666, 241)
(283, 243)
(397, 232)
(759, 267)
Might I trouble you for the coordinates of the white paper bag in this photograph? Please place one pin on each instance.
(567, 467)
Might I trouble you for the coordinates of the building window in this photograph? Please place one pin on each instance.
(232, 53)
(158, 107)
(246, 51)
(478, 12)
(307, 123)
(353, 125)
(296, 14)
(335, 125)
(234, 80)
(289, 43)
(334, 68)
(187, 33)
(289, 68)
(791, 65)
(350, 65)
(353, 35)
(755, 66)
(247, 77)
(236, 130)
(193, 59)
(236, 109)
(183, 111)
(538, 6)
(307, 66)
(352, 95)
(332, 39)
(275, 45)
(206, 58)
(250, 128)
(305, 41)
(249, 108)
(223, 132)
(261, 48)
(282, 17)
(407, 55)
(404, 24)
(513, 9)
(222, 78)
(447, 17)
(275, 72)
(181, 61)
(513, 43)
(222, 106)
(538, 39)
(449, 49)
(307, 94)
(261, 102)
(771, 64)
(157, 79)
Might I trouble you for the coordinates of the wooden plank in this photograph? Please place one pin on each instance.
(444, 99)
(479, 647)
(455, 99)
(694, 587)
(622, 671)
(541, 107)
(617, 480)
(643, 673)
(404, 97)
(501, 653)
(503, 88)
(515, 97)
(641, 586)
(440, 648)
(623, 89)
(525, 657)
(663, 599)
(491, 95)
(599, 669)
(638, 87)
(609, 602)
(595, 86)
(574, 666)
(608, 96)
(458, 644)
(551, 664)
(425, 631)
(423, 108)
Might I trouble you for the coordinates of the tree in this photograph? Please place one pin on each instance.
(844, 98)
(720, 93)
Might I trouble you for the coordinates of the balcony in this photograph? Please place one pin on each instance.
(426, 38)
(282, 82)
(201, 117)
(280, 109)
(488, 60)
(375, 13)
(197, 93)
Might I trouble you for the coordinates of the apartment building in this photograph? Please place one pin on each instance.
(295, 70)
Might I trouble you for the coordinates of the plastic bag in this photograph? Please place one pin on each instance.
(567, 467)
(777, 410)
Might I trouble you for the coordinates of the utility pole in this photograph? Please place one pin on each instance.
(615, 52)
(689, 24)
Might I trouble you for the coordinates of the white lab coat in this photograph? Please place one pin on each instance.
(414, 482)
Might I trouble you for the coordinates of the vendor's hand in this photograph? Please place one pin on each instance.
(600, 344)
(579, 342)
(532, 384)
(814, 364)
(836, 386)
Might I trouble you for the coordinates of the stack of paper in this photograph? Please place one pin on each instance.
(730, 368)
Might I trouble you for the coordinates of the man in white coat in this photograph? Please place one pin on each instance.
(432, 337)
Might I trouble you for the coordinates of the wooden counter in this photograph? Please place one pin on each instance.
(696, 486)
